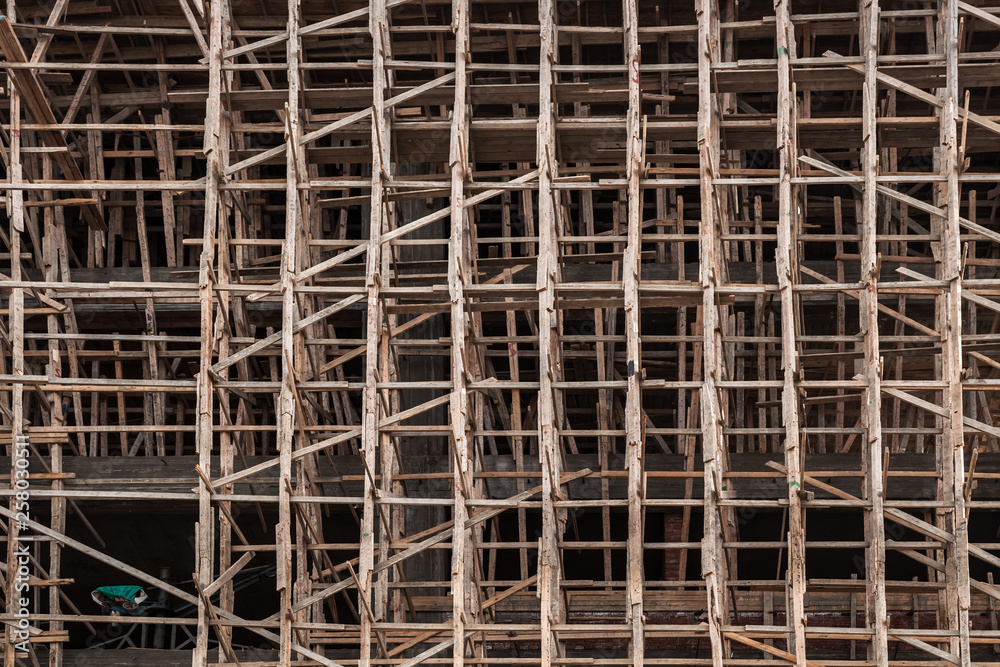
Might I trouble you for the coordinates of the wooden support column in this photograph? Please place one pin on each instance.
(634, 445)
(713, 556)
(876, 615)
(286, 398)
(58, 521)
(15, 320)
(549, 450)
(464, 592)
(55, 232)
(205, 532)
(952, 454)
(376, 270)
(785, 268)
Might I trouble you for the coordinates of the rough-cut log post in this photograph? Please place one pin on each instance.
(214, 124)
(16, 331)
(952, 454)
(876, 615)
(465, 594)
(378, 27)
(287, 410)
(549, 449)
(785, 268)
(634, 445)
(713, 556)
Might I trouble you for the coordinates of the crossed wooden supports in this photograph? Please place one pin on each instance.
(438, 534)
(915, 524)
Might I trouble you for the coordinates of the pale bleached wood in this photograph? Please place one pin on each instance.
(634, 442)
(57, 419)
(951, 455)
(549, 443)
(375, 268)
(204, 419)
(464, 592)
(713, 556)
(316, 412)
(199, 38)
(287, 408)
(15, 323)
(785, 262)
(871, 418)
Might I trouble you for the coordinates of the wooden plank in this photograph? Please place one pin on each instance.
(228, 575)
(199, 38)
(276, 337)
(982, 427)
(770, 650)
(86, 81)
(924, 646)
(921, 95)
(298, 453)
(979, 13)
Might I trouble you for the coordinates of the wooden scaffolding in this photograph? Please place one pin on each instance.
(561, 332)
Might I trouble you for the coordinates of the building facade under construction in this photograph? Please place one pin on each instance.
(500, 332)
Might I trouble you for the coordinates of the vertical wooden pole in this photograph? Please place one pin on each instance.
(876, 616)
(215, 165)
(952, 456)
(463, 556)
(713, 557)
(553, 520)
(786, 268)
(16, 329)
(54, 236)
(286, 399)
(634, 445)
(375, 271)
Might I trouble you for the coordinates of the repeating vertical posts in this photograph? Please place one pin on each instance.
(785, 267)
(634, 445)
(876, 615)
(713, 557)
(376, 374)
(553, 520)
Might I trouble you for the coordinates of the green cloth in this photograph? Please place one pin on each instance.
(129, 593)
